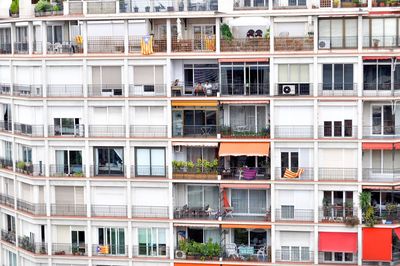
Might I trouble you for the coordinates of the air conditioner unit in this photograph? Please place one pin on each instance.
(178, 148)
(288, 89)
(324, 44)
(179, 254)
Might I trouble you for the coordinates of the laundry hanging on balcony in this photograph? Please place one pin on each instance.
(146, 45)
(290, 174)
(210, 42)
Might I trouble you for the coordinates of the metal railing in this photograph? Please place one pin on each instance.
(80, 249)
(101, 7)
(5, 48)
(6, 163)
(308, 174)
(288, 89)
(330, 42)
(29, 130)
(381, 132)
(242, 89)
(380, 41)
(156, 131)
(106, 44)
(68, 209)
(245, 131)
(250, 5)
(337, 89)
(109, 250)
(21, 47)
(23, 90)
(196, 131)
(134, 44)
(197, 44)
(306, 132)
(245, 45)
(294, 43)
(7, 200)
(139, 6)
(194, 173)
(381, 89)
(147, 90)
(37, 47)
(337, 132)
(381, 174)
(294, 256)
(117, 131)
(261, 253)
(156, 250)
(64, 47)
(108, 169)
(32, 208)
(71, 170)
(75, 7)
(149, 171)
(253, 213)
(336, 214)
(106, 90)
(294, 215)
(337, 174)
(150, 211)
(6, 126)
(27, 244)
(245, 173)
(5, 89)
(187, 212)
(109, 210)
(70, 131)
(8, 236)
(64, 90)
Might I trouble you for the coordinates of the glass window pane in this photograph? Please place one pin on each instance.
(195, 196)
(142, 161)
(158, 162)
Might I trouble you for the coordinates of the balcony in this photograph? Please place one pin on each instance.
(65, 47)
(102, 7)
(307, 175)
(376, 42)
(149, 171)
(342, 42)
(27, 90)
(59, 249)
(6, 164)
(241, 89)
(153, 251)
(106, 90)
(245, 45)
(381, 131)
(105, 44)
(68, 209)
(37, 47)
(148, 90)
(294, 215)
(337, 89)
(67, 170)
(64, 90)
(75, 7)
(108, 169)
(185, 172)
(381, 89)
(27, 244)
(339, 132)
(197, 213)
(288, 132)
(72, 131)
(117, 131)
(139, 6)
(303, 255)
(21, 48)
(31, 208)
(150, 131)
(150, 211)
(341, 4)
(109, 250)
(8, 236)
(294, 43)
(134, 44)
(338, 214)
(244, 132)
(201, 131)
(5, 89)
(5, 48)
(337, 174)
(245, 173)
(109, 211)
(197, 44)
(381, 175)
(29, 130)
(5, 126)
(7, 200)
(250, 5)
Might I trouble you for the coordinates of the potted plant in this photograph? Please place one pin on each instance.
(336, 3)
(57, 10)
(157, 8)
(20, 166)
(136, 9)
(43, 8)
(376, 43)
(351, 221)
(147, 8)
(75, 250)
(369, 218)
(78, 174)
(14, 8)
(391, 209)
(170, 8)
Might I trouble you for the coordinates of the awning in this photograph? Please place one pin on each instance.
(238, 60)
(397, 146)
(376, 57)
(196, 144)
(337, 242)
(245, 102)
(244, 149)
(196, 225)
(377, 146)
(378, 187)
(397, 232)
(201, 263)
(245, 186)
(205, 103)
(246, 226)
(377, 244)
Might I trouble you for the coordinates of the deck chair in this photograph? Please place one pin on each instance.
(231, 251)
(290, 174)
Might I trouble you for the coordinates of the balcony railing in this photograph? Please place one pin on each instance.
(68, 209)
(109, 211)
(108, 169)
(32, 208)
(117, 131)
(27, 244)
(256, 253)
(5, 89)
(245, 45)
(29, 130)
(147, 90)
(381, 174)
(105, 44)
(6, 164)
(28, 90)
(327, 258)
(306, 132)
(5, 126)
(71, 170)
(330, 42)
(381, 89)
(30, 169)
(201, 213)
(294, 43)
(106, 90)
(7, 200)
(75, 7)
(337, 132)
(337, 174)
(70, 131)
(8, 236)
(342, 4)
(101, 7)
(65, 47)
(307, 175)
(21, 47)
(381, 132)
(156, 131)
(196, 131)
(5, 48)
(37, 47)
(294, 215)
(250, 4)
(149, 171)
(80, 249)
(245, 173)
(109, 250)
(244, 132)
(241, 89)
(380, 41)
(160, 250)
(139, 6)
(252, 213)
(201, 174)
(197, 44)
(150, 211)
(298, 255)
(337, 89)
(288, 89)
(64, 90)
(336, 214)
(134, 43)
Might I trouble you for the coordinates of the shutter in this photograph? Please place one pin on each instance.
(64, 195)
(79, 195)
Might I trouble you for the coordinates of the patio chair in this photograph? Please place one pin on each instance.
(249, 174)
(262, 254)
(231, 251)
(250, 34)
(259, 33)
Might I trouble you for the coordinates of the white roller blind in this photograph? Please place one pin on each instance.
(99, 115)
(64, 195)
(5, 75)
(111, 75)
(27, 192)
(324, 28)
(141, 115)
(115, 115)
(294, 73)
(286, 197)
(304, 73)
(283, 73)
(157, 115)
(143, 75)
(159, 75)
(351, 27)
(337, 28)
(109, 195)
(150, 197)
(79, 195)
(96, 75)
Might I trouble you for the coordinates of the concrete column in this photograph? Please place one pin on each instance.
(30, 37)
(168, 77)
(359, 75)
(89, 237)
(217, 35)
(273, 202)
(85, 35)
(270, 4)
(315, 244)
(44, 78)
(13, 38)
(271, 36)
(315, 28)
(126, 37)
(129, 239)
(360, 32)
(169, 36)
(273, 243)
(43, 27)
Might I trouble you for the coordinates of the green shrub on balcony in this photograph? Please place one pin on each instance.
(14, 8)
(43, 6)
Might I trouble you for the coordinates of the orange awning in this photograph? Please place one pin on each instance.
(201, 263)
(397, 146)
(378, 187)
(238, 60)
(246, 226)
(377, 146)
(245, 186)
(244, 149)
(337, 242)
(195, 103)
(377, 244)
(397, 232)
(245, 102)
(376, 57)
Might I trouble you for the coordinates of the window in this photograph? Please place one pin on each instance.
(338, 128)
(377, 75)
(294, 74)
(114, 238)
(248, 201)
(200, 235)
(203, 196)
(340, 33)
(338, 257)
(199, 122)
(8, 151)
(68, 162)
(11, 258)
(10, 223)
(22, 35)
(152, 241)
(247, 118)
(254, 238)
(78, 240)
(54, 34)
(109, 161)
(194, 73)
(337, 76)
(289, 160)
(295, 253)
(26, 154)
(338, 204)
(67, 126)
(148, 79)
(383, 120)
(380, 32)
(150, 161)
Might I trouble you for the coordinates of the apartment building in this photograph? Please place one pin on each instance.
(199, 132)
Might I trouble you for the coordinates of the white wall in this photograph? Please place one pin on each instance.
(300, 199)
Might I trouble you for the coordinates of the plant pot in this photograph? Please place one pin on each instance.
(364, 4)
(382, 4)
(136, 9)
(190, 257)
(147, 9)
(170, 8)
(157, 8)
(181, 8)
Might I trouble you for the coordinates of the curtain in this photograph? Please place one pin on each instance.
(239, 200)
(351, 32)
(211, 197)
(195, 196)
(257, 201)
(261, 118)
(212, 234)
